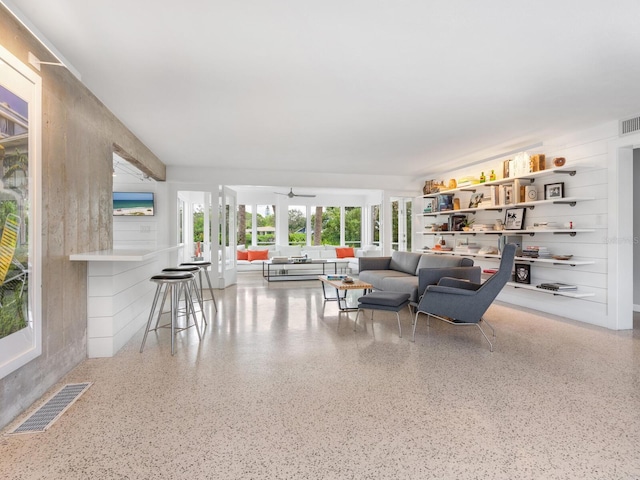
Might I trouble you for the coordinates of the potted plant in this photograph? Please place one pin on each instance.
(467, 223)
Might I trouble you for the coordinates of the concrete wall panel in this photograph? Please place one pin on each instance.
(78, 137)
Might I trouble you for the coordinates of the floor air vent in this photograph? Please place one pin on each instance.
(48, 413)
(630, 125)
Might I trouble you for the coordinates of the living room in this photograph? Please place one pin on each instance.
(378, 98)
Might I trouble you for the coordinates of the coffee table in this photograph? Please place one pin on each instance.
(297, 270)
(340, 286)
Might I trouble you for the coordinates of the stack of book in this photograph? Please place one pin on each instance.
(336, 277)
(536, 252)
(557, 286)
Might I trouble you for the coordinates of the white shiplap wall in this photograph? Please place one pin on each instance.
(587, 152)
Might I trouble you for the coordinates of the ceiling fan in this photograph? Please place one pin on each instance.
(291, 194)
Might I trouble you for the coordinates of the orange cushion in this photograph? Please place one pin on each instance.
(345, 252)
(243, 255)
(258, 255)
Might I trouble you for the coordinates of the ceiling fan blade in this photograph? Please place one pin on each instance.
(292, 195)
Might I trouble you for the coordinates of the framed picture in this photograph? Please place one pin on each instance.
(553, 190)
(476, 198)
(522, 273)
(505, 169)
(456, 222)
(514, 218)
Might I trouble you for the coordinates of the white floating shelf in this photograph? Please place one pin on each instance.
(563, 293)
(571, 263)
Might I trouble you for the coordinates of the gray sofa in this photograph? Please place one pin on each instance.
(408, 272)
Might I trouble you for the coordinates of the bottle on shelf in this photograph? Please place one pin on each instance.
(492, 176)
(482, 178)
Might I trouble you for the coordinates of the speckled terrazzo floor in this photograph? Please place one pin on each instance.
(281, 387)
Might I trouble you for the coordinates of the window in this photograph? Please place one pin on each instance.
(265, 220)
(353, 226)
(297, 225)
(20, 311)
(374, 225)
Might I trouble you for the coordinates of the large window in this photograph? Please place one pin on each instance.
(261, 224)
(266, 224)
(297, 225)
(353, 226)
(20, 322)
(374, 225)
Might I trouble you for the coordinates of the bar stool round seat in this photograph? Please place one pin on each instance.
(203, 265)
(175, 283)
(386, 301)
(191, 269)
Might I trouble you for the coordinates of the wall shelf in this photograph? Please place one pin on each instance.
(440, 217)
(571, 201)
(552, 261)
(531, 232)
(503, 181)
(570, 294)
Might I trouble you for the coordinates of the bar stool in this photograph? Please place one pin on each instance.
(177, 283)
(203, 265)
(193, 270)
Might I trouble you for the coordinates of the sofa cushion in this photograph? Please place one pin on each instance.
(242, 255)
(345, 252)
(439, 261)
(402, 284)
(290, 250)
(389, 299)
(329, 252)
(406, 262)
(258, 255)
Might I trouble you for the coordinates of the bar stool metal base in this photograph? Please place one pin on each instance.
(203, 265)
(192, 270)
(175, 283)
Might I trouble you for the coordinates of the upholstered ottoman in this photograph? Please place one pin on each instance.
(388, 301)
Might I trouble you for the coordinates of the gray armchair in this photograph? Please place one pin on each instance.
(460, 302)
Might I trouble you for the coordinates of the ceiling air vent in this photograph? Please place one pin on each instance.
(630, 125)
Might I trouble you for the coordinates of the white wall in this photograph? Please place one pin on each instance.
(636, 229)
(588, 152)
(140, 231)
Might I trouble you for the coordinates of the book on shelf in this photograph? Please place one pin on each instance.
(557, 286)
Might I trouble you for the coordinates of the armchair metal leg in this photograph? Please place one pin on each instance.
(415, 322)
(493, 331)
(485, 337)
(399, 326)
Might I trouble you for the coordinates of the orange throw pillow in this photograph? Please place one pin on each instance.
(243, 255)
(345, 252)
(258, 255)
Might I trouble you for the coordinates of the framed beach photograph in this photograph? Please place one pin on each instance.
(553, 190)
(514, 218)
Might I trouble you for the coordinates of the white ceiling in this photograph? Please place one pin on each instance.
(384, 87)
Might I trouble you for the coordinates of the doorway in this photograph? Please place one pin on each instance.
(401, 224)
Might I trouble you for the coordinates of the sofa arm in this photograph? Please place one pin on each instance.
(374, 263)
(431, 276)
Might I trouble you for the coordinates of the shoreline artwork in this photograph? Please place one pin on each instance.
(133, 204)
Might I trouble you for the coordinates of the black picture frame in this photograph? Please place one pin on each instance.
(456, 222)
(514, 218)
(522, 273)
(553, 190)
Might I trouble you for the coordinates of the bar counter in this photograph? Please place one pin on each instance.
(119, 293)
